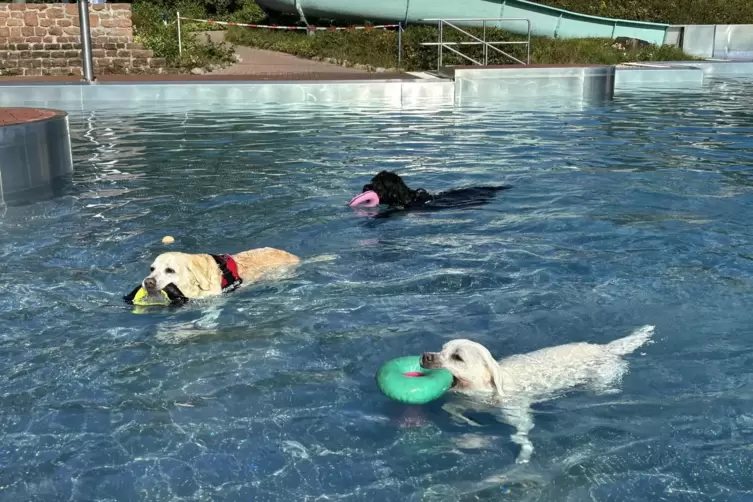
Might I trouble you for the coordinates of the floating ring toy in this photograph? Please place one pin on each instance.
(365, 199)
(403, 379)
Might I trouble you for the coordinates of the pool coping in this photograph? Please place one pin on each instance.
(508, 87)
(10, 116)
(444, 73)
(342, 77)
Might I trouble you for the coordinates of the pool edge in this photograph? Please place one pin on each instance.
(449, 87)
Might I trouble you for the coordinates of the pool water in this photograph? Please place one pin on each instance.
(636, 212)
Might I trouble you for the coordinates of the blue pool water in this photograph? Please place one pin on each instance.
(636, 212)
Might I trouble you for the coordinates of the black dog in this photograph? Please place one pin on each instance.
(392, 191)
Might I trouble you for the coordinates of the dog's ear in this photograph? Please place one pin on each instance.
(200, 268)
(394, 190)
(493, 367)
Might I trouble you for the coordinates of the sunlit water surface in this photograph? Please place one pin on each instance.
(637, 212)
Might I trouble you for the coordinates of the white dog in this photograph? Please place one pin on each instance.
(518, 381)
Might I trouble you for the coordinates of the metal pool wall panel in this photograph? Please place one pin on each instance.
(657, 76)
(587, 83)
(203, 95)
(34, 154)
(258, 92)
(673, 36)
(698, 40)
(733, 41)
(719, 68)
(723, 41)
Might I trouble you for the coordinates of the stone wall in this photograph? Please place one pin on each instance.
(44, 39)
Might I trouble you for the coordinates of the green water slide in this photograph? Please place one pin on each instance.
(545, 21)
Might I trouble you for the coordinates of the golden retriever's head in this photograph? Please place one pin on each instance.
(190, 273)
(472, 365)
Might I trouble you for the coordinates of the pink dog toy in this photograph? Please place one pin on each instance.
(366, 199)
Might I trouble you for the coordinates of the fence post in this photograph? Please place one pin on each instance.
(440, 44)
(486, 47)
(400, 45)
(528, 46)
(180, 42)
(86, 40)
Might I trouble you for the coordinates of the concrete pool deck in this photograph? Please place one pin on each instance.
(639, 73)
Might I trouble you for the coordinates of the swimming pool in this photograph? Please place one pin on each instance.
(632, 213)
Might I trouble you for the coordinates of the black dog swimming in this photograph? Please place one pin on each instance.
(389, 188)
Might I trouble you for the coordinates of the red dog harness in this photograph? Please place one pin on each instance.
(231, 280)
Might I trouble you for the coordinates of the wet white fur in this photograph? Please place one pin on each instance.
(518, 381)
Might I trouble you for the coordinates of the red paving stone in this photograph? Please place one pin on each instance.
(12, 116)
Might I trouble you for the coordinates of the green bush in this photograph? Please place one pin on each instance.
(663, 11)
(379, 48)
(162, 38)
(212, 8)
(248, 12)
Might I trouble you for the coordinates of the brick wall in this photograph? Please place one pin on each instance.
(44, 39)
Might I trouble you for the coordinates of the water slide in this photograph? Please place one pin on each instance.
(545, 21)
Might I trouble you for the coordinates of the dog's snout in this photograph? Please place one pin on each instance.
(429, 359)
(150, 283)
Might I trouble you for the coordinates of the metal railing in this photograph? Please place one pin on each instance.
(450, 46)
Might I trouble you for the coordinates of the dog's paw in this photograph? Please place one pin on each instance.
(321, 258)
(526, 450)
(458, 416)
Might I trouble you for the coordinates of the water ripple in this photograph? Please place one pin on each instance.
(631, 213)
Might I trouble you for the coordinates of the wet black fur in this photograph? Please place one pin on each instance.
(391, 189)
(393, 192)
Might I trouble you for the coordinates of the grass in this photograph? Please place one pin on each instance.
(378, 48)
(663, 11)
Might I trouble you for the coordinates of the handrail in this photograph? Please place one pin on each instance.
(441, 44)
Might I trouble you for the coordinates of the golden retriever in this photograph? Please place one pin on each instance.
(200, 276)
(518, 381)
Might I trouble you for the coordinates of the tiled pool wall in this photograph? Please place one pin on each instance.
(512, 87)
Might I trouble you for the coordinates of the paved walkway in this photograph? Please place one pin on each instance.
(256, 64)
(263, 62)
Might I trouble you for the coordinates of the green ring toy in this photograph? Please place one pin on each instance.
(403, 379)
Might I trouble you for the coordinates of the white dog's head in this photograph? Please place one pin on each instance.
(472, 365)
(190, 273)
